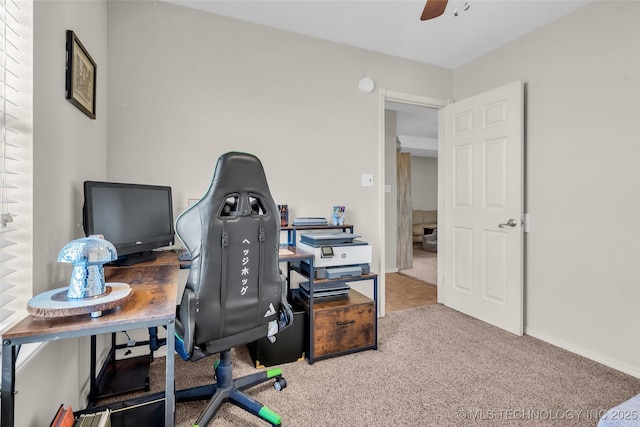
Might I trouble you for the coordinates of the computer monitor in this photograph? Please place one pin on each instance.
(135, 218)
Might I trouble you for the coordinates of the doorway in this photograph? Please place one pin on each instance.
(416, 181)
(411, 128)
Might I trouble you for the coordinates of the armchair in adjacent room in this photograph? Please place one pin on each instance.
(235, 293)
(430, 241)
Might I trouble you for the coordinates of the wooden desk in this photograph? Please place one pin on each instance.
(152, 303)
(292, 253)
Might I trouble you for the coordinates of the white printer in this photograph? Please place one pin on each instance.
(336, 249)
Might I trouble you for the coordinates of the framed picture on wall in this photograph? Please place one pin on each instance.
(80, 87)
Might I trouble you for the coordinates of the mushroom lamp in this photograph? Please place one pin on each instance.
(87, 255)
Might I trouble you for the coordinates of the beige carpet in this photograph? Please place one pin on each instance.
(434, 367)
(425, 266)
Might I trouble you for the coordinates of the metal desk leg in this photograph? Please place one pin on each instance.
(312, 315)
(375, 310)
(169, 403)
(93, 387)
(8, 383)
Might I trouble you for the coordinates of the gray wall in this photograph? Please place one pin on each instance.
(582, 150)
(424, 183)
(69, 148)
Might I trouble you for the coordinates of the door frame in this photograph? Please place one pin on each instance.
(407, 98)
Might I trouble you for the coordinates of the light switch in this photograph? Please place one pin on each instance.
(367, 180)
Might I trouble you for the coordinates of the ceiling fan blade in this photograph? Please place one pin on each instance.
(433, 8)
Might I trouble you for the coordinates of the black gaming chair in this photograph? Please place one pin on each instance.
(235, 293)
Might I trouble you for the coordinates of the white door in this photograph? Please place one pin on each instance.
(481, 234)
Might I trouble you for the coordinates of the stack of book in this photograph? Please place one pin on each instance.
(64, 418)
(97, 419)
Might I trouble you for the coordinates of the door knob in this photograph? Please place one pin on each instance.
(511, 223)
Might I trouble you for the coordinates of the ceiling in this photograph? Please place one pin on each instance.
(393, 27)
(417, 128)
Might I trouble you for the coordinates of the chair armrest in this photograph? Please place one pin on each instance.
(285, 317)
(186, 324)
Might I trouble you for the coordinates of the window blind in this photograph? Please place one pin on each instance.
(16, 158)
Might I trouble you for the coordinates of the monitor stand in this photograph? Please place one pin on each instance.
(136, 258)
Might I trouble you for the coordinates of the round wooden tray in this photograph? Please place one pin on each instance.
(55, 303)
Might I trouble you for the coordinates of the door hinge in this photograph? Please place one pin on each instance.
(526, 223)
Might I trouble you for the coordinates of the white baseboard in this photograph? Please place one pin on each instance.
(622, 367)
(392, 270)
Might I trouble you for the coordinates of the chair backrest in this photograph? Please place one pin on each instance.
(233, 235)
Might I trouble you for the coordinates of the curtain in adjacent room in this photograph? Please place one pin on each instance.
(405, 240)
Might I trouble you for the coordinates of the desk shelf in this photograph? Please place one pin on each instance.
(124, 376)
(354, 317)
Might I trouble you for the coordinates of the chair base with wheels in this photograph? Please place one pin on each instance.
(228, 389)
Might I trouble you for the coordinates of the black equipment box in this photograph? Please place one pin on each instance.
(330, 289)
(289, 345)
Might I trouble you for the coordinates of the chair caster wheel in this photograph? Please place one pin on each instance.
(279, 384)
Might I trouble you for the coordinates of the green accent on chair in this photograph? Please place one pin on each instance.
(215, 366)
(270, 416)
(274, 372)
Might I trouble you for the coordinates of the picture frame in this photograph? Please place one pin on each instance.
(80, 85)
